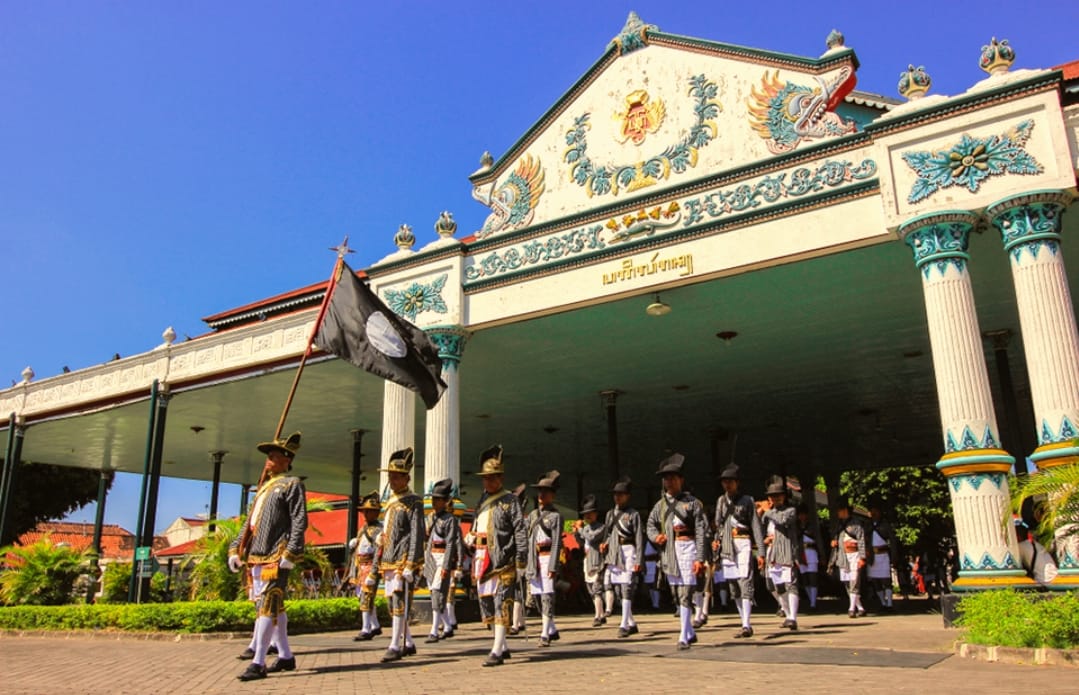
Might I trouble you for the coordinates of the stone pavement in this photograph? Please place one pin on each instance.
(885, 654)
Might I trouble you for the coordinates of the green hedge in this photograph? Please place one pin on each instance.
(311, 615)
(1021, 619)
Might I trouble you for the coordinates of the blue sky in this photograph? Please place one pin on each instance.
(161, 162)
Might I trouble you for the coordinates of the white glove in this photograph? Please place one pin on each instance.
(235, 563)
(286, 564)
(353, 543)
(370, 581)
(458, 575)
(407, 576)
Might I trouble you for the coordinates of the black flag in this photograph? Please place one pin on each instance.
(360, 329)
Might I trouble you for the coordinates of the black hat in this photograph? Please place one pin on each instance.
(288, 447)
(623, 484)
(588, 505)
(671, 464)
(776, 488)
(549, 481)
(371, 501)
(400, 462)
(730, 472)
(491, 461)
(442, 489)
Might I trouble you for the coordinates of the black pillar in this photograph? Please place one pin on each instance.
(245, 494)
(11, 467)
(354, 491)
(218, 457)
(610, 396)
(99, 522)
(1012, 434)
(151, 483)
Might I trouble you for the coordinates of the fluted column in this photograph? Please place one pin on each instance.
(398, 426)
(1029, 226)
(442, 457)
(973, 462)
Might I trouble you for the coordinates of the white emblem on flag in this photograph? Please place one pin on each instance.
(383, 337)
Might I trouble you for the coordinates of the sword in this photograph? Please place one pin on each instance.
(408, 610)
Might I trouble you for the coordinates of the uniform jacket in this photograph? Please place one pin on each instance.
(403, 536)
(507, 542)
(623, 526)
(743, 510)
(849, 527)
(661, 520)
(278, 520)
(589, 537)
(786, 548)
(550, 521)
(445, 526)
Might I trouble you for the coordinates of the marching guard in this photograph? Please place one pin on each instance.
(848, 554)
(676, 526)
(783, 542)
(400, 554)
(623, 548)
(544, 526)
(271, 543)
(738, 528)
(501, 551)
(442, 558)
(589, 533)
(363, 574)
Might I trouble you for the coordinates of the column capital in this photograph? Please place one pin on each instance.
(450, 341)
(939, 239)
(1028, 221)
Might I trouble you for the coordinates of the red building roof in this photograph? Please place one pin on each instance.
(117, 543)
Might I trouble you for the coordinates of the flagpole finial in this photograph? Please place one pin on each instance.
(342, 249)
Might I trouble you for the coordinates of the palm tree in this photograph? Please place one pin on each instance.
(41, 574)
(1058, 486)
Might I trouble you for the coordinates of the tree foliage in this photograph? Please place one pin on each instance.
(1056, 491)
(914, 498)
(41, 574)
(43, 491)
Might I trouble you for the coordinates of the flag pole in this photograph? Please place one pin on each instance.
(341, 251)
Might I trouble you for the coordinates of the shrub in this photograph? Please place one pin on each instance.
(41, 574)
(1021, 619)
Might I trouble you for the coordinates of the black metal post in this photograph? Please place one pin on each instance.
(155, 482)
(354, 491)
(218, 456)
(1013, 432)
(245, 494)
(14, 456)
(99, 523)
(151, 429)
(610, 396)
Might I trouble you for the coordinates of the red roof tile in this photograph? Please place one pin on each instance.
(117, 543)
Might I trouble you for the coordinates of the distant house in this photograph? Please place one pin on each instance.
(117, 543)
(185, 529)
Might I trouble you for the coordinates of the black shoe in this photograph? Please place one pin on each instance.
(544, 641)
(743, 633)
(272, 649)
(506, 654)
(376, 632)
(253, 672)
(780, 613)
(247, 654)
(409, 650)
(693, 639)
(632, 629)
(787, 623)
(431, 639)
(453, 626)
(682, 646)
(851, 614)
(391, 655)
(697, 624)
(514, 630)
(793, 626)
(288, 664)
(861, 612)
(493, 660)
(554, 636)
(363, 637)
(446, 634)
(596, 622)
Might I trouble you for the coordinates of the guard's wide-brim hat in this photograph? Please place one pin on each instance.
(288, 446)
(370, 501)
(731, 472)
(623, 484)
(672, 465)
(491, 461)
(442, 489)
(588, 505)
(777, 488)
(400, 461)
(549, 481)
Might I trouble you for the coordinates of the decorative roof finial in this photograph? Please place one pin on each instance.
(445, 226)
(169, 336)
(27, 375)
(997, 57)
(633, 35)
(835, 40)
(404, 238)
(486, 160)
(914, 83)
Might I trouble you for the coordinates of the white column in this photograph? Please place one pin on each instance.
(398, 426)
(442, 456)
(973, 462)
(1029, 226)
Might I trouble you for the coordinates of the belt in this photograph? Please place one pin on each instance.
(365, 557)
(623, 540)
(811, 546)
(850, 547)
(683, 536)
(543, 548)
(438, 545)
(880, 548)
(481, 541)
(739, 533)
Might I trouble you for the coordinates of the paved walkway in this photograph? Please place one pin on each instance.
(887, 654)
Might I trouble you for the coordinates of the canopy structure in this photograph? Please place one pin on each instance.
(701, 248)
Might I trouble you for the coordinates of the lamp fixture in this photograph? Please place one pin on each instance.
(727, 336)
(657, 308)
